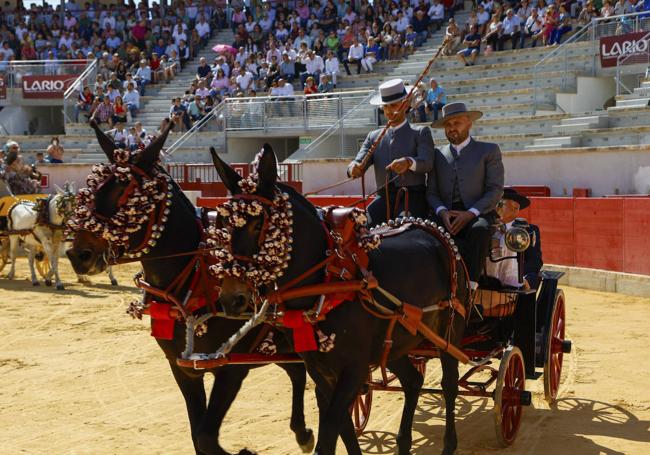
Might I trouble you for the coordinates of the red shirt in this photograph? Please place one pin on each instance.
(310, 90)
(139, 32)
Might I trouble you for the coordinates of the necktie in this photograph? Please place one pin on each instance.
(453, 151)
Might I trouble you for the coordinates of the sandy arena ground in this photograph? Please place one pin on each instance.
(78, 376)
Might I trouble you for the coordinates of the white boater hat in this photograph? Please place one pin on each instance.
(390, 92)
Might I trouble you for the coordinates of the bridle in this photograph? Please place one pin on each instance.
(145, 201)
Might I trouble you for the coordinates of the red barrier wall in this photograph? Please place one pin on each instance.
(605, 233)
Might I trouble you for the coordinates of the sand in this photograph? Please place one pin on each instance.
(79, 376)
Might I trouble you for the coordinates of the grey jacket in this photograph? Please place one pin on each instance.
(407, 141)
(480, 177)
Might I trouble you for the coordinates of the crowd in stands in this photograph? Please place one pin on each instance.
(496, 25)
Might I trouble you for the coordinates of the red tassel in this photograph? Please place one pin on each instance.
(162, 324)
(304, 338)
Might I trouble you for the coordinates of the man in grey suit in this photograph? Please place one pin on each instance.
(465, 186)
(405, 152)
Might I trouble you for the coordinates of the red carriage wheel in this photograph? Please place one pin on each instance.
(420, 364)
(555, 348)
(511, 383)
(360, 409)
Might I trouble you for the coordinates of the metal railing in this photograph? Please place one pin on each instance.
(625, 63)
(317, 111)
(599, 27)
(213, 122)
(71, 96)
(343, 122)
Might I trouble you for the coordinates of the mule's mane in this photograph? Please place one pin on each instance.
(299, 198)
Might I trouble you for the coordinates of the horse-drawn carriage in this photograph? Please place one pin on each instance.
(7, 202)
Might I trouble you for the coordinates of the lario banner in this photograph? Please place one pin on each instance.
(47, 86)
(611, 47)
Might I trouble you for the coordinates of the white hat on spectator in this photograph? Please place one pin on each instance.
(390, 92)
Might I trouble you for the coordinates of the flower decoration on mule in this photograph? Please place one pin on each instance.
(366, 241)
(270, 262)
(137, 207)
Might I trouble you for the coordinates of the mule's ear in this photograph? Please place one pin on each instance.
(148, 157)
(267, 170)
(58, 189)
(229, 177)
(106, 143)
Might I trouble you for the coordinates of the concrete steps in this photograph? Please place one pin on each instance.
(578, 124)
(554, 142)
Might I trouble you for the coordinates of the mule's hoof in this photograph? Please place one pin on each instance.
(448, 451)
(306, 440)
(35, 283)
(114, 282)
(246, 452)
(48, 282)
(60, 287)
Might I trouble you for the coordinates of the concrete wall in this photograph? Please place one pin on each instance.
(242, 150)
(24, 120)
(592, 93)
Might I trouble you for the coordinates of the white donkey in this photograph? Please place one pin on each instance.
(38, 231)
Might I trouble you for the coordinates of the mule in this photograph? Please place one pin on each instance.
(24, 225)
(90, 254)
(413, 266)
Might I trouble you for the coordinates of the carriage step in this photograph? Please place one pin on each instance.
(526, 398)
(566, 346)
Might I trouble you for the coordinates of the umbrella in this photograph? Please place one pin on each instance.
(222, 48)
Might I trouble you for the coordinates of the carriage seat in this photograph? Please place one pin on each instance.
(339, 219)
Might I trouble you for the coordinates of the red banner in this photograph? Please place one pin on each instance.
(612, 47)
(3, 88)
(47, 86)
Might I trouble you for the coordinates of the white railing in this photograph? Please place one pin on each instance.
(343, 122)
(625, 63)
(599, 27)
(213, 122)
(71, 96)
(306, 112)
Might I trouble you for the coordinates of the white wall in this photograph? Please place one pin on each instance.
(21, 120)
(592, 93)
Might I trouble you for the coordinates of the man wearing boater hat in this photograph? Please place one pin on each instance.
(405, 152)
(465, 186)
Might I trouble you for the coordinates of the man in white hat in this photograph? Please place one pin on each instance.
(466, 185)
(405, 152)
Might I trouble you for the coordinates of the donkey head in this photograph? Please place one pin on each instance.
(109, 190)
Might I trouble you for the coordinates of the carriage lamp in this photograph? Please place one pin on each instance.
(517, 238)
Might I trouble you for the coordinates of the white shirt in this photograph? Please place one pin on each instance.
(510, 25)
(202, 29)
(287, 90)
(459, 148)
(332, 65)
(437, 12)
(355, 52)
(244, 80)
(483, 17)
(534, 24)
(132, 97)
(314, 65)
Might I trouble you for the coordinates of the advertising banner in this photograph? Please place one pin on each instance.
(611, 47)
(47, 86)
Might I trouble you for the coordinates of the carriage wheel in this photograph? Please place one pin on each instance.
(42, 264)
(4, 252)
(511, 382)
(360, 409)
(555, 348)
(420, 364)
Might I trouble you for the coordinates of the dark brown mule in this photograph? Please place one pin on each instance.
(413, 266)
(182, 234)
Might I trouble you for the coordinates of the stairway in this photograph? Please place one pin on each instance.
(156, 102)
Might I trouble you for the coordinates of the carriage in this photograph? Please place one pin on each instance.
(512, 335)
(7, 201)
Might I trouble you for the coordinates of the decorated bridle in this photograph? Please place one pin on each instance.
(146, 202)
(275, 240)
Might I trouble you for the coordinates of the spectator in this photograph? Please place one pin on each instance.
(104, 111)
(436, 99)
(132, 99)
(245, 81)
(195, 109)
(314, 66)
(120, 111)
(202, 91)
(220, 84)
(532, 29)
(120, 135)
(452, 37)
(287, 68)
(203, 29)
(178, 114)
(84, 103)
(563, 27)
(436, 14)
(483, 18)
(410, 39)
(111, 93)
(420, 25)
(472, 43)
(355, 55)
(331, 67)
(310, 86)
(40, 158)
(143, 76)
(325, 85)
(54, 151)
(510, 30)
(493, 29)
(370, 57)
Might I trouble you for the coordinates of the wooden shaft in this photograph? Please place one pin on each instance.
(442, 343)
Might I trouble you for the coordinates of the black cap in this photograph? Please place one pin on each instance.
(513, 195)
